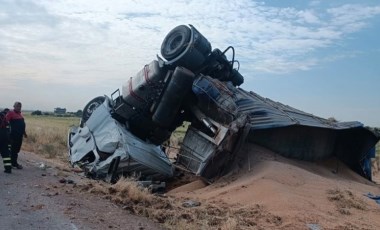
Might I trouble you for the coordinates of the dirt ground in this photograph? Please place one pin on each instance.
(45, 195)
(263, 191)
(293, 194)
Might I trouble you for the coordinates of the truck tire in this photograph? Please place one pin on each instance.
(175, 42)
(90, 108)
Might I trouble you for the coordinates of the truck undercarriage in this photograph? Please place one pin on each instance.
(124, 134)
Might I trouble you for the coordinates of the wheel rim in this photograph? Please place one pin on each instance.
(175, 42)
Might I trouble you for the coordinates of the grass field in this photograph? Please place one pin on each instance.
(47, 135)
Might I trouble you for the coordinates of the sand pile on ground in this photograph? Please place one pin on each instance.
(301, 195)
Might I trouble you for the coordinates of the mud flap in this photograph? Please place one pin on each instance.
(222, 162)
(241, 140)
(112, 171)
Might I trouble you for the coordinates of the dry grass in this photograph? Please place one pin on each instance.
(345, 200)
(231, 223)
(171, 213)
(47, 135)
(127, 188)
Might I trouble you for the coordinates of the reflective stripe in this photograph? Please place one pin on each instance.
(7, 164)
(6, 158)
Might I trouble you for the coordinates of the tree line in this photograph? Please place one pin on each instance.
(68, 114)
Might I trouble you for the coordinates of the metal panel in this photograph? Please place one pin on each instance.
(264, 113)
(195, 151)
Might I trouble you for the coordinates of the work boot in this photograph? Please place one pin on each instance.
(18, 166)
(8, 170)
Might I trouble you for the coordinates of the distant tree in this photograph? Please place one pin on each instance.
(79, 113)
(37, 112)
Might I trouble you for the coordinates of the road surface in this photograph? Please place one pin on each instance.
(35, 198)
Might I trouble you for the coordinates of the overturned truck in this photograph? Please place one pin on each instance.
(123, 134)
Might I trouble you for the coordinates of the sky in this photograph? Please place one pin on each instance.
(322, 57)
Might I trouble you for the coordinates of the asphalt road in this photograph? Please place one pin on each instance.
(34, 198)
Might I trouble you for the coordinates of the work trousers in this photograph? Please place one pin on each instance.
(16, 143)
(5, 153)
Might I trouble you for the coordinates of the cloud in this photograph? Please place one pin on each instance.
(95, 42)
(22, 12)
(351, 18)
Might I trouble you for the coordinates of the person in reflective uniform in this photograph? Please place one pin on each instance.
(4, 142)
(17, 125)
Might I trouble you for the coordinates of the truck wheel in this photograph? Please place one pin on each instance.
(90, 107)
(175, 42)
